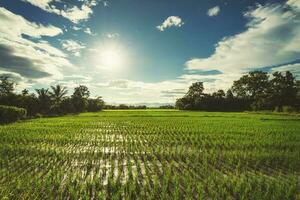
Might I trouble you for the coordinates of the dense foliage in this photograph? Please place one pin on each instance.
(167, 107)
(11, 114)
(253, 91)
(152, 154)
(125, 107)
(49, 102)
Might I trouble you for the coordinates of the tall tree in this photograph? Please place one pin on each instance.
(195, 91)
(44, 100)
(82, 91)
(253, 88)
(80, 97)
(29, 102)
(58, 93)
(252, 85)
(283, 89)
(298, 95)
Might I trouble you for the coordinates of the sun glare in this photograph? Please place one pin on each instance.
(111, 58)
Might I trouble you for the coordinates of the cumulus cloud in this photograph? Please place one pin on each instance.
(72, 13)
(213, 11)
(137, 92)
(271, 38)
(21, 65)
(212, 82)
(12, 24)
(29, 58)
(169, 22)
(140, 92)
(72, 46)
(20, 81)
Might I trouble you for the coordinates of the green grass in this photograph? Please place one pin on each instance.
(152, 154)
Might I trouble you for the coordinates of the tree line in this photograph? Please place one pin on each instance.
(125, 107)
(255, 91)
(45, 101)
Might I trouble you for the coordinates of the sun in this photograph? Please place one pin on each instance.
(111, 58)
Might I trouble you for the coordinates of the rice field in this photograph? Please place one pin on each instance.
(152, 154)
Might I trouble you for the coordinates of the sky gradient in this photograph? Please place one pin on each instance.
(140, 51)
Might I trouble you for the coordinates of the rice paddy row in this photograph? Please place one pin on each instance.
(152, 154)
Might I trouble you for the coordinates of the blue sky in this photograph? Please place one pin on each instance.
(141, 51)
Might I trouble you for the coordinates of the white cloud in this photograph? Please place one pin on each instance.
(73, 13)
(105, 3)
(271, 38)
(28, 58)
(294, 68)
(72, 46)
(89, 31)
(128, 91)
(212, 82)
(8, 26)
(137, 92)
(169, 22)
(294, 3)
(76, 28)
(213, 11)
(112, 35)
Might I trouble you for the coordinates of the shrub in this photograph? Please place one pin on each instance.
(11, 114)
(38, 115)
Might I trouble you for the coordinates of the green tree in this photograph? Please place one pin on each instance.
(80, 98)
(229, 94)
(183, 104)
(29, 102)
(44, 100)
(25, 92)
(195, 91)
(253, 85)
(220, 94)
(283, 90)
(58, 93)
(298, 96)
(6, 86)
(82, 91)
(95, 105)
(67, 106)
(254, 88)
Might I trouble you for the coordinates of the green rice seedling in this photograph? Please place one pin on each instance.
(152, 154)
